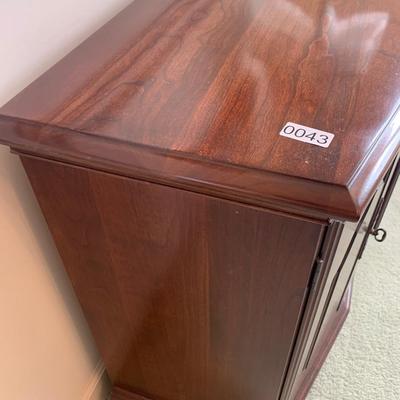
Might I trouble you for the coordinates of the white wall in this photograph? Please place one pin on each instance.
(46, 350)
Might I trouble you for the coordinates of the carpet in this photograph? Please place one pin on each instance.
(364, 363)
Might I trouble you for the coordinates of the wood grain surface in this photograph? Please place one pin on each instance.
(194, 93)
(188, 297)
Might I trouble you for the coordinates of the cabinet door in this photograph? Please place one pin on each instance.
(337, 288)
(335, 293)
(188, 296)
(367, 227)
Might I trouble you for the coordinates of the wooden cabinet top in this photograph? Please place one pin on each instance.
(194, 94)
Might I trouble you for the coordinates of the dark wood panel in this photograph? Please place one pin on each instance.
(212, 82)
(187, 296)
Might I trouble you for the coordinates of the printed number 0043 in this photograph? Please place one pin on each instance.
(300, 132)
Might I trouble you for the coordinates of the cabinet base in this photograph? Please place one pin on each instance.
(121, 394)
(328, 341)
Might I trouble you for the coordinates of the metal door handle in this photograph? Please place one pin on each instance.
(379, 234)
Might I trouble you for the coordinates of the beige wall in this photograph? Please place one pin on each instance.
(46, 351)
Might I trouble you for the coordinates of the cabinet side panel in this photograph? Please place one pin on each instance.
(188, 296)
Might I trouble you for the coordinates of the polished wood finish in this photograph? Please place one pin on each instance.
(195, 94)
(213, 257)
(189, 297)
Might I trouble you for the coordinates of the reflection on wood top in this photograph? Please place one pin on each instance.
(194, 94)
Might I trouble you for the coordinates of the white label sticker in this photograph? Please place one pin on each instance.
(307, 135)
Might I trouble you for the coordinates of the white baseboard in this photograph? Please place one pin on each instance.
(99, 387)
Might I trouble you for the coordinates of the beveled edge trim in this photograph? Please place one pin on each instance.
(295, 195)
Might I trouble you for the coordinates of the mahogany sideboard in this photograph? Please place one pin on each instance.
(211, 171)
